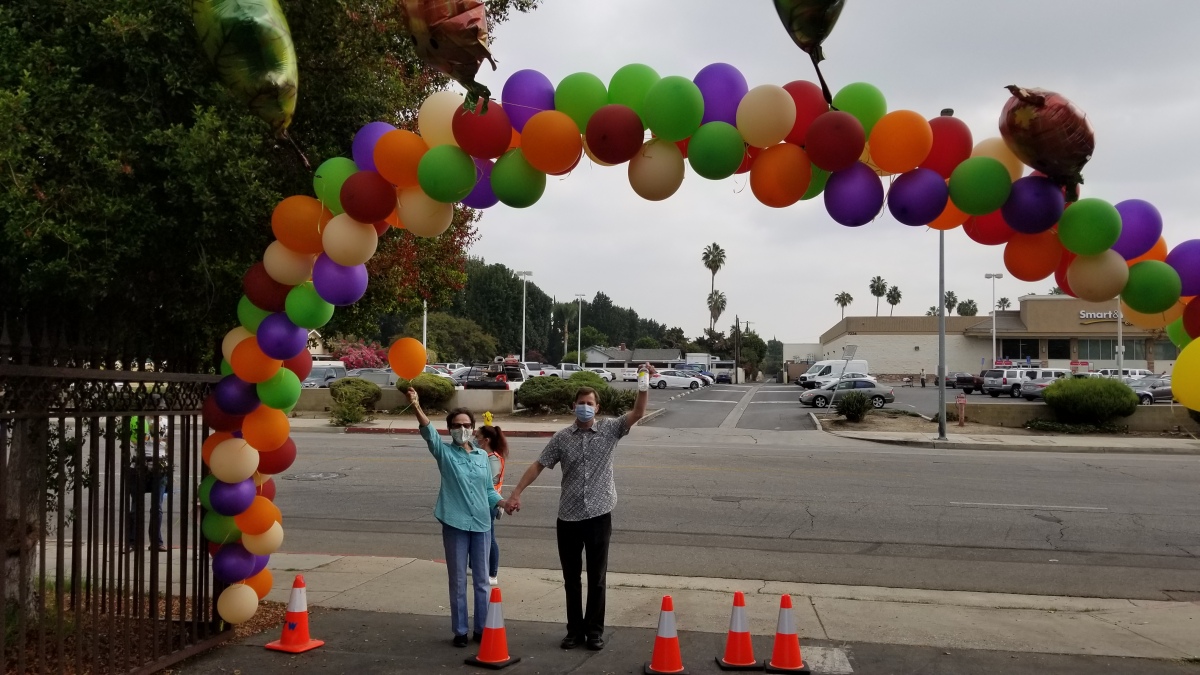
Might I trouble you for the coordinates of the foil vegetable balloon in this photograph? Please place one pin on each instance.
(809, 22)
(1049, 133)
(451, 37)
(250, 44)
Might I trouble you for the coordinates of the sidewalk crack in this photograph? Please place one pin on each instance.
(813, 603)
(1182, 654)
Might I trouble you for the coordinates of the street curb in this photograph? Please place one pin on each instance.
(319, 430)
(516, 433)
(1000, 447)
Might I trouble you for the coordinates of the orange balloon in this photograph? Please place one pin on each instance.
(211, 444)
(258, 517)
(951, 218)
(297, 223)
(251, 364)
(1156, 252)
(397, 154)
(266, 428)
(1152, 321)
(780, 175)
(406, 356)
(1033, 257)
(551, 142)
(261, 583)
(900, 141)
(516, 140)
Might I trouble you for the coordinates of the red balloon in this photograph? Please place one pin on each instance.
(278, 460)
(810, 104)
(1060, 274)
(484, 135)
(952, 143)
(213, 547)
(267, 489)
(262, 290)
(368, 197)
(989, 230)
(683, 146)
(835, 140)
(1191, 318)
(217, 419)
(614, 133)
(1049, 133)
(300, 364)
(381, 227)
(748, 159)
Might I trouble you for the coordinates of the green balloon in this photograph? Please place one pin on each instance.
(817, 185)
(579, 95)
(446, 173)
(219, 529)
(1153, 287)
(249, 315)
(328, 179)
(205, 489)
(281, 391)
(673, 108)
(980, 185)
(629, 86)
(1178, 334)
(864, 101)
(225, 368)
(716, 150)
(1089, 226)
(307, 309)
(515, 182)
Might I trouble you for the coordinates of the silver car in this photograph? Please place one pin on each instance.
(1033, 389)
(1150, 390)
(823, 397)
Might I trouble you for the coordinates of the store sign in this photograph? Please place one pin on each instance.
(1081, 363)
(1004, 362)
(1087, 318)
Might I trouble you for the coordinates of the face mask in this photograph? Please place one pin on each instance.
(460, 436)
(584, 412)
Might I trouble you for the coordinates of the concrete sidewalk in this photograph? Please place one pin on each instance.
(850, 614)
(408, 425)
(1012, 442)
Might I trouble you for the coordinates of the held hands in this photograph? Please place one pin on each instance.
(511, 505)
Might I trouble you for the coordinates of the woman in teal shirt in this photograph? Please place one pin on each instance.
(464, 508)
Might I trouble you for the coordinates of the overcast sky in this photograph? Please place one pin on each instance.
(1131, 66)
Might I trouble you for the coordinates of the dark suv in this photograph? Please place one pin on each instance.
(970, 383)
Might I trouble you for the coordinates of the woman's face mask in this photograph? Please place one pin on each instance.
(460, 436)
(584, 412)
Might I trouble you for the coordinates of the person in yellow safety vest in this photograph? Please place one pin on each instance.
(148, 472)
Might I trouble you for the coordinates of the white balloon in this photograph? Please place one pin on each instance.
(232, 339)
(997, 149)
(233, 461)
(287, 266)
(349, 242)
(266, 543)
(766, 115)
(656, 171)
(237, 603)
(435, 120)
(421, 214)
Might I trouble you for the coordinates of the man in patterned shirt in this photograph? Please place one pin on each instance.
(588, 497)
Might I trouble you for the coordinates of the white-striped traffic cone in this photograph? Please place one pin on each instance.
(666, 658)
(739, 648)
(295, 638)
(785, 658)
(493, 650)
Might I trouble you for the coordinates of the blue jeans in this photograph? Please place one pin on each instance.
(494, 556)
(461, 545)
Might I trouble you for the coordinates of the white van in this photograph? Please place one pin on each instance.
(830, 369)
(1136, 373)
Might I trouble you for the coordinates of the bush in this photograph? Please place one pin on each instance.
(353, 399)
(853, 406)
(584, 379)
(1092, 400)
(435, 391)
(615, 401)
(546, 394)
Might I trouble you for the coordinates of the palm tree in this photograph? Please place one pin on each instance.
(1057, 291)
(713, 258)
(968, 308)
(1003, 303)
(716, 305)
(843, 300)
(932, 311)
(566, 313)
(951, 300)
(893, 298)
(879, 288)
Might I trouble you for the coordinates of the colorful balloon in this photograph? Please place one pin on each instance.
(1153, 287)
(1185, 259)
(279, 460)
(864, 101)
(1032, 257)
(1090, 227)
(1098, 278)
(251, 364)
(1179, 336)
(1191, 318)
(579, 95)
(446, 174)
(481, 133)
(250, 315)
(952, 143)
(979, 185)
(482, 196)
(348, 241)
(950, 217)
(722, 87)
(516, 182)
(259, 517)
(657, 171)
(233, 461)
(810, 104)
(630, 84)
(997, 150)
(306, 308)
(406, 356)
(421, 214)
(1156, 252)
(300, 364)
(367, 197)
(900, 141)
(1049, 133)
(1034, 205)
(525, 94)
(219, 529)
(1141, 227)
(673, 108)
(715, 151)
(297, 222)
(230, 499)
(551, 142)
(235, 396)
(266, 543)
(614, 134)
(338, 284)
(835, 141)
(265, 429)
(854, 196)
(362, 149)
(919, 196)
(281, 392)
(237, 604)
(262, 290)
(780, 175)
(766, 115)
(328, 180)
(435, 119)
(397, 156)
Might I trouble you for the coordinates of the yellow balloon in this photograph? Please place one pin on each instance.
(232, 339)
(266, 543)
(1098, 278)
(656, 171)
(287, 266)
(765, 115)
(1186, 376)
(237, 603)
(435, 120)
(998, 150)
(349, 242)
(233, 461)
(1152, 321)
(421, 214)
(865, 158)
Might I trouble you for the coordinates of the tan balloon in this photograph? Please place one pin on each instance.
(998, 150)
(349, 242)
(287, 266)
(1152, 321)
(233, 461)
(266, 543)
(656, 171)
(435, 120)
(766, 115)
(423, 215)
(260, 478)
(237, 604)
(232, 339)
(1098, 278)
(588, 151)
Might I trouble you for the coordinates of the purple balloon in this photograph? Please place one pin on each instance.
(1141, 226)
(525, 94)
(230, 499)
(1034, 205)
(918, 197)
(482, 196)
(363, 148)
(338, 284)
(1185, 258)
(854, 196)
(279, 338)
(722, 87)
(232, 563)
(260, 564)
(235, 396)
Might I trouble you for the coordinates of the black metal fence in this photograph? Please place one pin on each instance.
(97, 465)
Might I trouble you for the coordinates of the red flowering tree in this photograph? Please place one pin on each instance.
(356, 353)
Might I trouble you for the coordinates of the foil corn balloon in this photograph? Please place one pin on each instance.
(451, 37)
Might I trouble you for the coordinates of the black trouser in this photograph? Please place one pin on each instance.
(575, 537)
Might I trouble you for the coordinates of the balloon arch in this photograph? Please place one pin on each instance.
(795, 147)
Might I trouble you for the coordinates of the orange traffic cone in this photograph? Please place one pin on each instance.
(295, 637)
(666, 657)
(786, 656)
(739, 649)
(493, 651)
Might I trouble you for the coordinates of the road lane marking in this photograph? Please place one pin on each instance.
(735, 415)
(1033, 506)
(710, 400)
(796, 403)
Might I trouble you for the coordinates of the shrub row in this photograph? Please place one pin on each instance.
(553, 394)
(1092, 400)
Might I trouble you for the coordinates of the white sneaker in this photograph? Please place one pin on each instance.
(494, 581)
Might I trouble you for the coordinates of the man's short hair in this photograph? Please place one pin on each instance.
(584, 391)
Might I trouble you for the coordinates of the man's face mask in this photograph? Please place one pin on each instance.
(584, 412)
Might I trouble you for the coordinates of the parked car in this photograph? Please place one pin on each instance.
(1135, 373)
(604, 373)
(629, 375)
(1033, 389)
(450, 367)
(695, 367)
(675, 378)
(459, 373)
(508, 375)
(536, 369)
(384, 377)
(569, 369)
(970, 383)
(951, 379)
(822, 397)
(439, 371)
(723, 378)
(323, 373)
(1150, 390)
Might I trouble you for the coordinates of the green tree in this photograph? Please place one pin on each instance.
(1003, 304)
(1055, 290)
(752, 350)
(967, 308)
(843, 300)
(951, 300)
(893, 299)
(774, 359)
(646, 342)
(932, 311)
(491, 298)
(713, 258)
(455, 339)
(879, 288)
(716, 306)
(593, 338)
(674, 338)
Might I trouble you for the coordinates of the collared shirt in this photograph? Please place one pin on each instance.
(466, 497)
(588, 489)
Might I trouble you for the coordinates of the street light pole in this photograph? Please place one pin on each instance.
(579, 333)
(993, 276)
(424, 324)
(524, 275)
(941, 335)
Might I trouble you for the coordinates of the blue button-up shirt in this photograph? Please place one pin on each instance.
(467, 496)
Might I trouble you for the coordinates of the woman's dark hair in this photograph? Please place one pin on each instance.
(495, 438)
(459, 411)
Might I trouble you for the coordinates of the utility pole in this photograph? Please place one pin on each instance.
(579, 333)
(737, 344)
(524, 275)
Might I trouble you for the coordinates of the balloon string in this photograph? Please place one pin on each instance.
(824, 87)
(307, 165)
